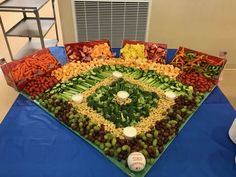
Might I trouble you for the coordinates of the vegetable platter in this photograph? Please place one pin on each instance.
(18, 73)
(144, 50)
(192, 61)
(130, 108)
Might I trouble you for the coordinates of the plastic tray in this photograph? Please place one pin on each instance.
(158, 54)
(120, 165)
(73, 50)
(197, 64)
(6, 68)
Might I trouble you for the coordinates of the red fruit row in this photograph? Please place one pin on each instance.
(40, 84)
(155, 52)
(87, 51)
(199, 82)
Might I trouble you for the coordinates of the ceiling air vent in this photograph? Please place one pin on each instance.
(111, 19)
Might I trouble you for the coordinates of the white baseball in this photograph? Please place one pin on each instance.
(136, 161)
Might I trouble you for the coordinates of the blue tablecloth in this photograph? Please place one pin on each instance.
(32, 144)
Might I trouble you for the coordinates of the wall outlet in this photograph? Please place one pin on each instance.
(223, 54)
(2, 61)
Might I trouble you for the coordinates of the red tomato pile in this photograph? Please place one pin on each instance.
(198, 81)
(40, 84)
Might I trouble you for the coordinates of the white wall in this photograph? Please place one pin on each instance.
(206, 25)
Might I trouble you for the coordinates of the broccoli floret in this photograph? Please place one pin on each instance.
(103, 98)
(141, 100)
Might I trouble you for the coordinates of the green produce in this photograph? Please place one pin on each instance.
(122, 115)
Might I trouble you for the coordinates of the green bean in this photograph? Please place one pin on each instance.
(97, 142)
(144, 145)
(173, 122)
(81, 130)
(106, 149)
(88, 127)
(189, 112)
(113, 142)
(152, 160)
(155, 133)
(144, 152)
(144, 138)
(178, 117)
(102, 146)
(107, 136)
(96, 128)
(118, 150)
(149, 135)
(125, 148)
(154, 143)
(80, 124)
(108, 145)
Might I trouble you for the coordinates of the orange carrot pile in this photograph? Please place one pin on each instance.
(32, 65)
(39, 84)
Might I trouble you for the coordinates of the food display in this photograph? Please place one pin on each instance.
(136, 161)
(128, 108)
(73, 69)
(189, 60)
(144, 51)
(39, 84)
(87, 51)
(198, 81)
(29, 67)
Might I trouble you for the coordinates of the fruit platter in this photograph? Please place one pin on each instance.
(130, 108)
(152, 51)
(86, 51)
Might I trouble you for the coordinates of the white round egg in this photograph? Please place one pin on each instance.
(136, 161)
